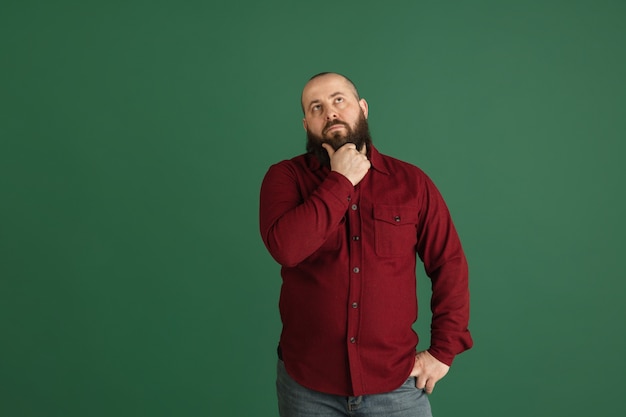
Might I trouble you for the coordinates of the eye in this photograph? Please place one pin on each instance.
(316, 107)
(339, 100)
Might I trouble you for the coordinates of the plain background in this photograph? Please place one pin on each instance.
(134, 136)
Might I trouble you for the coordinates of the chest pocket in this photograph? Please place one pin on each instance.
(395, 229)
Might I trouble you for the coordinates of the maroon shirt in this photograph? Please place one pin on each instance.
(348, 255)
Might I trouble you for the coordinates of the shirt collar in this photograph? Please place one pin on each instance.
(377, 160)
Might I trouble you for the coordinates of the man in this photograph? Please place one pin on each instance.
(346, 224)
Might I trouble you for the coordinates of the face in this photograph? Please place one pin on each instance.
(333, 114)
(332, 108)
(360, 136)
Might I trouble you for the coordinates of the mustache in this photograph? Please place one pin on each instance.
(333, 123)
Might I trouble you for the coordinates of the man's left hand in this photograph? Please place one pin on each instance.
(428, 371)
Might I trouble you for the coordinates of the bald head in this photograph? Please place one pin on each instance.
(328, 77)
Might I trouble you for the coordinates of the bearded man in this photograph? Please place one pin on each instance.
(347, 223)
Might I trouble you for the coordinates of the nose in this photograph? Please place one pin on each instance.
(331, 113)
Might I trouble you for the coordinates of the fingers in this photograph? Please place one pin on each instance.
(429, 388)
(329, 149)
(428, 385)
(348, 161)
(343, 148)
(428, 371)
(420, 382)
(349, 147)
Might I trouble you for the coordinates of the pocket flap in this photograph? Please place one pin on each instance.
(396, 215)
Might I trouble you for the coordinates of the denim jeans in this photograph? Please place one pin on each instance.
(295, 400)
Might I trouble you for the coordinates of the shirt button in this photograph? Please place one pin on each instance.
(356, 269)
(397, 218)
(352, 340)
(354, 207)
(355, 238)
(355, 304)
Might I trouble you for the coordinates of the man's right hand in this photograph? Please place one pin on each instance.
(348, 161)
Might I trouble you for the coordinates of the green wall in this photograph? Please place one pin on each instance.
(134, 136)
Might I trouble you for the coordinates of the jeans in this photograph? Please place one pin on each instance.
(295, 400)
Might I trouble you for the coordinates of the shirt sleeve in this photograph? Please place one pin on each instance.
(293, 226)
(440, 249)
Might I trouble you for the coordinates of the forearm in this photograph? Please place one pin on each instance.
(450, 305)
(294, 226)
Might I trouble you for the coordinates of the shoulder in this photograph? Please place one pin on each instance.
(289, 170)
(397, 166)
(296, 163)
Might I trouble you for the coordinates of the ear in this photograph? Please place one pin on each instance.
(304, 124)
(363, 105)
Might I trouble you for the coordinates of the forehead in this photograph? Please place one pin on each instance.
(326, 85)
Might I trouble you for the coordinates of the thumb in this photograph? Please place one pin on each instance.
(329, 149)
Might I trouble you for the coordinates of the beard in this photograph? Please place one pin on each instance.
(360, 136)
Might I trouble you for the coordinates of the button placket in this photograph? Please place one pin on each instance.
(355, 257)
